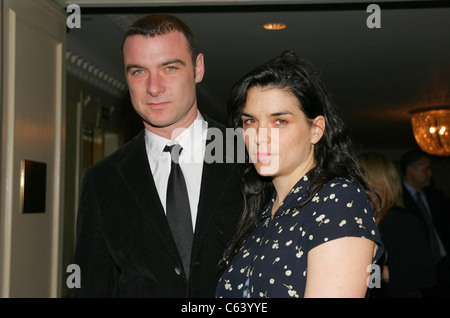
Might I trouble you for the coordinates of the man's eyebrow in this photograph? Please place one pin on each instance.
(130, 66)
(174, 61)
(169, 62)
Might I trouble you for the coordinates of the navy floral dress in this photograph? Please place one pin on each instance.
(273, 260)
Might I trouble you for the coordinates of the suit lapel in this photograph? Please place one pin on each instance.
(135, 172)
(214, 173)
(411, 205)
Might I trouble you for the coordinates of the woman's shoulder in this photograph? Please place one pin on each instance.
(342, 198)
(341, 209)
(343, 188)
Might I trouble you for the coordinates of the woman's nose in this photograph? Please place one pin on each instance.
(262, 136)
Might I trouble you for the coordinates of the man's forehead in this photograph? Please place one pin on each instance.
(173, 37)
(173, 41)
(423, 162)
(140, 48)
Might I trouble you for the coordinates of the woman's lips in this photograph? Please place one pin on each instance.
(263, 157)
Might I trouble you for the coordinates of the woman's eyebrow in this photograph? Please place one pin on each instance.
(280, 113)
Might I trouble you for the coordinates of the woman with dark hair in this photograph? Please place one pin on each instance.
(316, 235)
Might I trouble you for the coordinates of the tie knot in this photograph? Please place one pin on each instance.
(175, 151)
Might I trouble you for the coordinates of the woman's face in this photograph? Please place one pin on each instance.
(279, 138)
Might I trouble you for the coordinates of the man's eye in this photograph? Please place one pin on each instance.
(137, 72)
(171, 68)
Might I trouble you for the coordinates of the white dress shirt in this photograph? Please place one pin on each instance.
(192, 140)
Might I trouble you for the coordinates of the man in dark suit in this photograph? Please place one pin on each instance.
(432, 207)
(127, 245)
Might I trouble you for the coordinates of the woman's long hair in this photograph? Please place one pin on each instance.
(334, 153)
(384, 178)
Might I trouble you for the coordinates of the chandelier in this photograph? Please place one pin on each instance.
(431, 129)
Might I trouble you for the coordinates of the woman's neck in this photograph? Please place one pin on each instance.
(284, 184)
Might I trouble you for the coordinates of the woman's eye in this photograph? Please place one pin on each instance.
(248, 121)
(280, 122)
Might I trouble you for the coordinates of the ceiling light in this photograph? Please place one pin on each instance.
(431, 129)
(274, 26)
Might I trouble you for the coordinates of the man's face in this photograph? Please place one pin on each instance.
(161, 78)
(420, 174)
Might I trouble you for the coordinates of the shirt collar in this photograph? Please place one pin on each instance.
(411, 190)
(190, 142)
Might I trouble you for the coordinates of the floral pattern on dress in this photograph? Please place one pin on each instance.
(273, 260)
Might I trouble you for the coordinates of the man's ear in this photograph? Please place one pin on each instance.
(318, 127)
(410, 170)
(199, 68)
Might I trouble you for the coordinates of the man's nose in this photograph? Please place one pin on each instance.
(155, 85)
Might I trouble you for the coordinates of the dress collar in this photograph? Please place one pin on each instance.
(293, 199)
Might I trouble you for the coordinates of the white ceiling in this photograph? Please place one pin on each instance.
(376, 75)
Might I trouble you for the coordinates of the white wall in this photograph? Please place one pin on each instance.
(33, 97)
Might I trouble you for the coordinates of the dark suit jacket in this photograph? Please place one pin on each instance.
(439, 209)
(408, 254)
(124, 244)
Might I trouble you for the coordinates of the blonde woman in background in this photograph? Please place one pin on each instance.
(407, 271)
(384, 179)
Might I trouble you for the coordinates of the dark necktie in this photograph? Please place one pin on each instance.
(178, 210)
(432, 232)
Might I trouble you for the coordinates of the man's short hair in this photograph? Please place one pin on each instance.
(159, 24)
(411, 158)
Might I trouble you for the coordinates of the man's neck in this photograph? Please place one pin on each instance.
(411, 185)
(172, 131)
